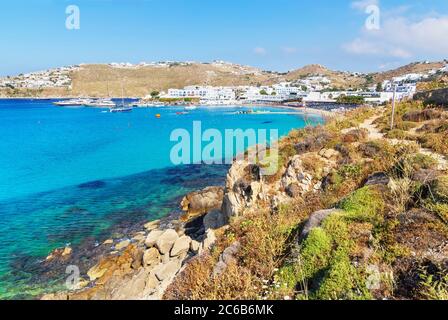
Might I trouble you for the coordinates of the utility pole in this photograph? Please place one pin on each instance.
(393, 108)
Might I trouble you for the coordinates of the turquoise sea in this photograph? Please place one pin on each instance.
(67, 175)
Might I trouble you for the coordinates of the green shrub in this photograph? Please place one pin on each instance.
(440, 189)
(397, 134)
(422, 161)
(316, 252)
(350, 171)
(363, 205)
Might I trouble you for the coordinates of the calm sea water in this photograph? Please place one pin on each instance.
(68, 174)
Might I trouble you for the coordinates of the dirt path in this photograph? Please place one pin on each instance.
(375, 134)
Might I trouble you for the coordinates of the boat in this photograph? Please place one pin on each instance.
(101, 103)
(72, 102)
(121, 109)
(191, 108)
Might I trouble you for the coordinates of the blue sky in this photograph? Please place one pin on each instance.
(276, 35)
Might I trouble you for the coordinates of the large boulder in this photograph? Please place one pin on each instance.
(151, 257)
(243, 188)
(296, 181)
(168, 270)
(166, 241)
(200, 202)
(152, 238)
(215, 220)
(181, 246)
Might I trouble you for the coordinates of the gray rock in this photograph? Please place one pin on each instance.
(227, 257)
(166, 241)
(315, 220)
(152, 238)
(215, 220)
(378, 178)
(294, 190)
(181, 246)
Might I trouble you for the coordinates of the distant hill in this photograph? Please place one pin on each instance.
(339, 79)
(101, 80)
(416, 67)
(94, 80)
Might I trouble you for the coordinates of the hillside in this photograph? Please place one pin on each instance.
(339, 79)
(100, 80)
(416, 67)
(93, 80)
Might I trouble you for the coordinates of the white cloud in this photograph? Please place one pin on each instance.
(260, 51)
(401, 38)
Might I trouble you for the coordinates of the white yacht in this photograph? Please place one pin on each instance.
(101, 103)
(191, 108)
(73, 102)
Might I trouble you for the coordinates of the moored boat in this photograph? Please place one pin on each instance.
(121, 109)
(101, 103)
(72, 102)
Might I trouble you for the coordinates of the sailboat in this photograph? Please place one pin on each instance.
(102, 103)
(121, 107)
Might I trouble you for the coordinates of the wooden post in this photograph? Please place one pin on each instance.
(393, 108)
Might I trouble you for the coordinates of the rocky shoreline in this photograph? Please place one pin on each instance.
(202, 253)
(143, 265)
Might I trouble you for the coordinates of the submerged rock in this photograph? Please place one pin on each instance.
(93, 185)
(122, 245)
(153, 225)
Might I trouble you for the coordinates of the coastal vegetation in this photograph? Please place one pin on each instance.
(357, 209)
(350, 99)
(375, 228)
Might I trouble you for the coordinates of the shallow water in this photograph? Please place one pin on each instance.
(71, 174)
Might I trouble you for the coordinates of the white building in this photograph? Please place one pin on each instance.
(203, 93)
